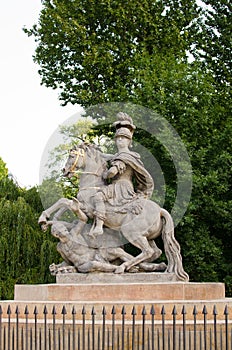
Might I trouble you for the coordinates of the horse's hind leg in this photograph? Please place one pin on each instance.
(156, 251)
(148, 264)
(147, 252)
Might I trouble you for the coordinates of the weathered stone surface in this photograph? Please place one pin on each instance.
(99, 278)
(120, 292)
(114, 192)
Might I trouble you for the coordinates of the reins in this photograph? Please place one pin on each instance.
(79, 153)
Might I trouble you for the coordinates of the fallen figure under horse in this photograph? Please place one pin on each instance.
(81, 255)
(140, 221)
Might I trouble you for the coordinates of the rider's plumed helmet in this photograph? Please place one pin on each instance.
(123, 132)
(124, 121)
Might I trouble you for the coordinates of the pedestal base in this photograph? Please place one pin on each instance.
(118, 288)
(102, 277)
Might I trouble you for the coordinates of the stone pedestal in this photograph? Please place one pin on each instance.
(126, 278)
(72, 313)
(118, 288)
(121, 292)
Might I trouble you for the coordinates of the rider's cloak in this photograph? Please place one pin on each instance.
(131, 183)
(144, 183)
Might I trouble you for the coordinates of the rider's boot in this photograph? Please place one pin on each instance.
(99, 213)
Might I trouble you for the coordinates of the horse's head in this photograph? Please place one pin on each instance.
(85, 157)
(75, 161)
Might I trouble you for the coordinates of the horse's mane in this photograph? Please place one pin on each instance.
(91, 149)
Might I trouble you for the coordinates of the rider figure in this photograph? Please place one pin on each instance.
(125, 168)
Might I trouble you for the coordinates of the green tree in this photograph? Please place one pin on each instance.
(3, 169)
(89, 50)
(23, 247)
(54, 185)
(138, 52)
(213, 50)
(213, 43)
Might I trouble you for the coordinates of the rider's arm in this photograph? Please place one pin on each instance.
(111, 172)
(107, 156)
(118, 167)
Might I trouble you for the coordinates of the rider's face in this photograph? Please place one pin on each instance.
(122, 142)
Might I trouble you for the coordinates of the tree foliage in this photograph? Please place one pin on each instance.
(89, 50)
(213, 43)
(3, 169)
(106, 51)
(25, 252)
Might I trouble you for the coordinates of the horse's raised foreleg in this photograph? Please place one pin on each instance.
(75, 207)
(61, 203)
(59, 213)
(60, 207)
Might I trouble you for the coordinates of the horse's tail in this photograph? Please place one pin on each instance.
(172, 248)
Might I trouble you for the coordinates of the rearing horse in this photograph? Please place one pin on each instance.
(140, 229)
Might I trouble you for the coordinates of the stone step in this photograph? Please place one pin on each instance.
(120, 291)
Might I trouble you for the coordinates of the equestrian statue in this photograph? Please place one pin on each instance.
(113, 207)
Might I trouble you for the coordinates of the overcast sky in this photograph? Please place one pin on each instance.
(29, 112)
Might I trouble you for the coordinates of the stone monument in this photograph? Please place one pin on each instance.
(113, 207)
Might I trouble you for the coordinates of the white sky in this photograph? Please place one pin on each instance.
(29, 112)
